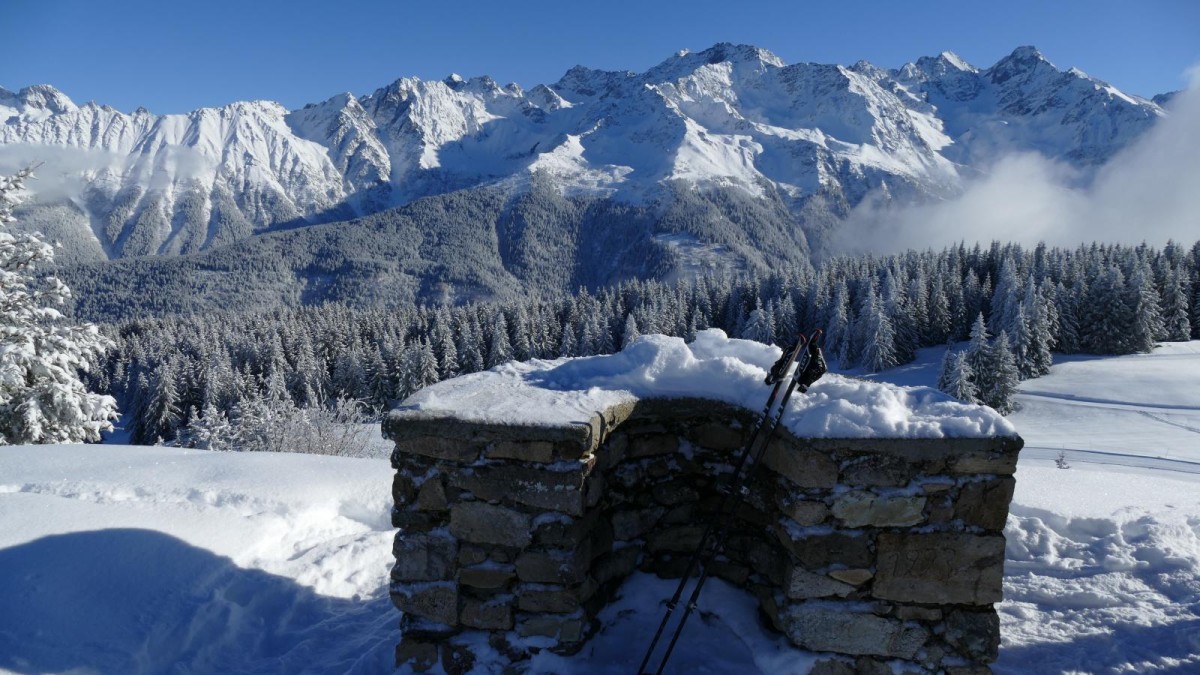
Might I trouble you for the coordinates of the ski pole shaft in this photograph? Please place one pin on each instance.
(777, 381)
(813, 352)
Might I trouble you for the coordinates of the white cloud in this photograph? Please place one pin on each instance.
(1150, 192)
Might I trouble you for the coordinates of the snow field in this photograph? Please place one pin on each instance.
(1102, 571)
(135, 559)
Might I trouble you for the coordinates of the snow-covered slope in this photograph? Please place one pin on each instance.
(137, 560)
(729, 116)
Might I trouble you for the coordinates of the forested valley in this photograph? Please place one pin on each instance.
(227, 380)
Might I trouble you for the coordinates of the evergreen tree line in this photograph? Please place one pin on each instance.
(181, 377)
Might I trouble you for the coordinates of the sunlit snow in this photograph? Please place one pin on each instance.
(135, 559)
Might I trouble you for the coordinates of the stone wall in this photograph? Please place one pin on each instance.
(872, 550)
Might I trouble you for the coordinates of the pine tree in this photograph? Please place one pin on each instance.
(876, 334)
(758, 327)
(42, 398)
(1003, 377)
(978, 349)
(1105, 316)
(426, 366)
(630, 333)
(1006, 299)
(499, 348)
(1176, 324)
(1147, 313)
(838, 328)
(957, 378)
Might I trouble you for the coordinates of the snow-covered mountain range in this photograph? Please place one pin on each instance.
(731, 116)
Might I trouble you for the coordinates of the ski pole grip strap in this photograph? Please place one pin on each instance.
(779, 370)
(815, 367)
(776, 373)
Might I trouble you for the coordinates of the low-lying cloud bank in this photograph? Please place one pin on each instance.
(1150, 192)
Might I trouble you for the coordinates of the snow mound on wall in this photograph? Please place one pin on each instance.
(714, 366)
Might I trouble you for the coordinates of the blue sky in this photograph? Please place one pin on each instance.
(176, 56)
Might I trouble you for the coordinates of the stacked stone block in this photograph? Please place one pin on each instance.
(873, 550)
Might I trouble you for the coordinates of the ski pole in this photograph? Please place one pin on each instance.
(813, 360)
(774, 377)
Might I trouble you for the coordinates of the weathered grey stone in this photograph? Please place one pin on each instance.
(563, 628)
(494, 613)
(856, 577)
(540, 488)
(985, 462)
(487, 524)
(801, 584)
(436, 601)
(488, 577)
(865, 665)
(552, 567)
(415, 521)
(553, 599)
(526, 451)
(616, 565)
(614, 451)
(976, 635)
(593, 489)
(402, 489)
(432, 495)
(829, 629)
(423, 557)
(674, 492)
(440, 447)
(419, 655)
(822, 550)
(471, 555)
(675, 540)
(651, 445)
(832, 667)
(861, 509)
(731, 572)
(718, 436)
(985, 504)
(457, 659)
(877, 471)
(805, 468)
(805, 512)
(940, 568)
(911, 613)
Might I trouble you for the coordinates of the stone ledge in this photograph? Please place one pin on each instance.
(871, 549)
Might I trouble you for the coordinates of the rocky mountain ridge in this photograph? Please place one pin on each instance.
(731, 116)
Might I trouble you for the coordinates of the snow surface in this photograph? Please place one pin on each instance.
(135, 559)
(568, 391)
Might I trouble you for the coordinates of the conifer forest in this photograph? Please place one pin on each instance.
(228, 380)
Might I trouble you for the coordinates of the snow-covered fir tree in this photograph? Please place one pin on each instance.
(630, 332)
(758, 327)
(957, 378)
(1002, 377)
(42, 397)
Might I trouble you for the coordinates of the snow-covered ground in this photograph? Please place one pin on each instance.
(119, 559)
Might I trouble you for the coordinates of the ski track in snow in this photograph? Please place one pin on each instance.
(144, 560)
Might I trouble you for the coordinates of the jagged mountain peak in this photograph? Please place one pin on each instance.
(729, 116)
(740, 56)
(942, 64)
(37, 98)
(582, 82)
(1025, 62)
